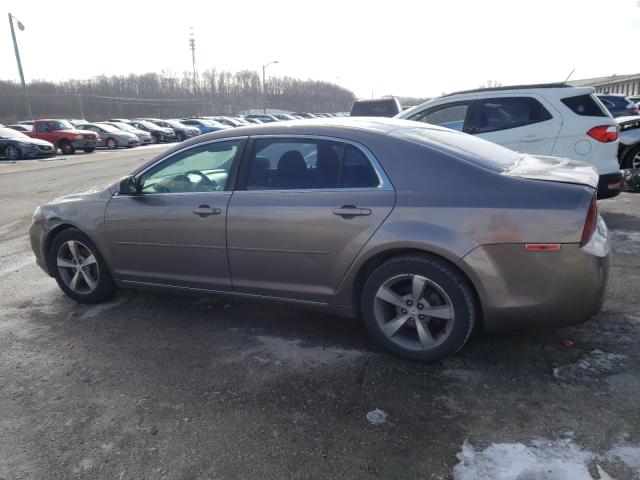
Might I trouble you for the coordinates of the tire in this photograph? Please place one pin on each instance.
(632, 156)
(180, 137)
(154, 139)
(61, 263)
(89, 150)
(111, 144)
(12, 153)
(446, 294)
(66, 147)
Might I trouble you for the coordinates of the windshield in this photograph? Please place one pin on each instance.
(61, 125)
(123, 126)
(174, 124)
(11, 133)
(149, 125)
(108, 128)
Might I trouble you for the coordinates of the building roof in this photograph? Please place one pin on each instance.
(596, 81)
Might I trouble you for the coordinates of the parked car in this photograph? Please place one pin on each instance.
(15, 145)
(618, 105)
(25, 122)
(264, 118)
(549, 119)
(158, 134)
(75, 122)
(377, 107)
(420, 230)
(254, 121)
(20, 128)
(629, 149)
(283, 116)
(204, 125)
(634, 98)
(110, 136)
(63, 135)
(303, 115)
(120, 120)
(144, 136)
(229, 122)
(182, 131)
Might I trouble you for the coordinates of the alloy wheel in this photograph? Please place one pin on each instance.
(78, 267)
(11, 153)
(635, 162)
(414, 312)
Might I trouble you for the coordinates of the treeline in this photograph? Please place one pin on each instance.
(169, 95)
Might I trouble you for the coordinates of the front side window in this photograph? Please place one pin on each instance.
(451, 115)
(42, 127)
(200, 169)
(296, 164)
(502, 113)
(61, 125)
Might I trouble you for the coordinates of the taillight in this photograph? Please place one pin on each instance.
(634, 110)
(590, 222)
(604, 133)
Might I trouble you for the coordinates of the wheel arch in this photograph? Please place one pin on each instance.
(372, 263)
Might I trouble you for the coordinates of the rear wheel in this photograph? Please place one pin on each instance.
(111, 144)
(79, 268)
(632, 158)
(418, 307)
(12, 152)
(66, 147)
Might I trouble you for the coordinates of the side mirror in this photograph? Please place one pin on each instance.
(129, 186)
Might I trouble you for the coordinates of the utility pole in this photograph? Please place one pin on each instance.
(15, 47)
(192, 45)
(81, 110)
(264, 94)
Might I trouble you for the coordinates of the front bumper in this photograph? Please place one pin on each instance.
(521, 289)
(129, 142)
(36, 152)
(85, 143)
(37, 237)
(610, 185)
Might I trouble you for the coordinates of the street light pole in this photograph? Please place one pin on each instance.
(192, 45)
(264, 96)
(15, 47)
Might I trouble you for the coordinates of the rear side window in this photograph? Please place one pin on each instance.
(502, 113)
(451, 115)
(293, 164)
(584, 105)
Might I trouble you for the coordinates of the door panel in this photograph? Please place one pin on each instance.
(160, 239)
(291, 244)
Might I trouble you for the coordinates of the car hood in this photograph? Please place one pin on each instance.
(83, 132)
(98, 192)
(34, 141)
(554, 169)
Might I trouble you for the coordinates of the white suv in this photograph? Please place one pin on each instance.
(551, 119)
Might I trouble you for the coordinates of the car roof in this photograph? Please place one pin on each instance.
(532, 86)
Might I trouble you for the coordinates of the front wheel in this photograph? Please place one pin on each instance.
(79, 268)
(12, 152)
(418, 307)
(112, 144)
(66, 147)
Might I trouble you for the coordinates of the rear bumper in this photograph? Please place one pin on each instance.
(610, 185)
(520, 289)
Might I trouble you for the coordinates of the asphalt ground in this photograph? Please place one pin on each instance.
(166, 386)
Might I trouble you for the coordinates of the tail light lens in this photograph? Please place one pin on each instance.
(590, 223)
(604, 133)
(633, 110)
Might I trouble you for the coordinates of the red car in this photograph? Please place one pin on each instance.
(64, 135)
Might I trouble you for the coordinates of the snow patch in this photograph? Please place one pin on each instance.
(541, 460)
(626, 241)
(294, 354)
(593, 364)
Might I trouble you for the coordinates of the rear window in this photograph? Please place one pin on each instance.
(584, 105)
(471, 148)
(376, 108)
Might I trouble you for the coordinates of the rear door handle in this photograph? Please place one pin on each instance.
(206, 210)
(351, 211)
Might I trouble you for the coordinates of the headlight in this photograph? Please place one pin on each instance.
(77, 137)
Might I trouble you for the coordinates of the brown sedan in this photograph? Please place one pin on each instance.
(421, 231)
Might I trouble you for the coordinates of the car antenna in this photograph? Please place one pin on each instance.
(569, 76)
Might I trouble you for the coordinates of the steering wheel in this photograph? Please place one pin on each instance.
(203, 178)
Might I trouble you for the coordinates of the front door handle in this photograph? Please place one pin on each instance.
(206, 210)
(351, 211)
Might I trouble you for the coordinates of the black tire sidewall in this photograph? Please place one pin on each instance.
(451, 281)
(628, 158)
(106, 287)
(112, 141)
(66, 144)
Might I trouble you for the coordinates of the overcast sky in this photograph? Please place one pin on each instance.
(412, 48)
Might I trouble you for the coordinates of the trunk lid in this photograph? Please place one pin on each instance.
(553, 169)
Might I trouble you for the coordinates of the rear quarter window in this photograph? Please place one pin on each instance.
(585, 106)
